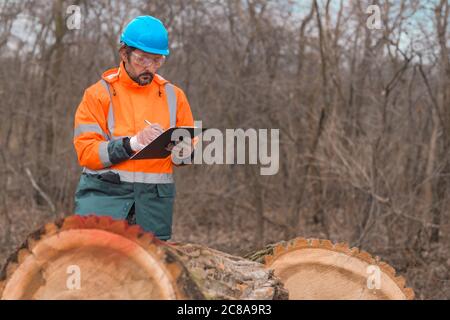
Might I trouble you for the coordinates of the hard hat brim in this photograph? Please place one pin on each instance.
(147, 49)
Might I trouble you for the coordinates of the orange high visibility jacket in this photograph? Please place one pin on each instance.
(116, 107)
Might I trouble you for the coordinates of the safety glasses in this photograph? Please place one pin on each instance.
(148, 61)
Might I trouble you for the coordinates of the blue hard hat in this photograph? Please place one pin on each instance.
(147, 34)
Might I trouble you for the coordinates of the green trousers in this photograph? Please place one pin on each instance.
(153, 203)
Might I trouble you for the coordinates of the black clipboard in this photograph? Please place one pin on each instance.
(157, 148)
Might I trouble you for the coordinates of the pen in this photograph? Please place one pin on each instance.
(150, 124)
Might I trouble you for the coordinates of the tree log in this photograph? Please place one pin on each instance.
(100, 258)
(319, 269)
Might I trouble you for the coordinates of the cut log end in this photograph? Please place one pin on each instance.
(318, 269)
(95, 258)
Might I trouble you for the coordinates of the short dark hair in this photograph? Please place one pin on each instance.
(128, 50)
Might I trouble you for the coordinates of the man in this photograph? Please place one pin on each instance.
(127, 109)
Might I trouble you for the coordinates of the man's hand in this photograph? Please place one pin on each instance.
(145, 136)
(182, 146)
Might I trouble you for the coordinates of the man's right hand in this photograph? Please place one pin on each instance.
(145, 136)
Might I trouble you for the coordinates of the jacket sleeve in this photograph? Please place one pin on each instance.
(91, 140)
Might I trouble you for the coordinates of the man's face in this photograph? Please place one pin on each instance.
(141, 66)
